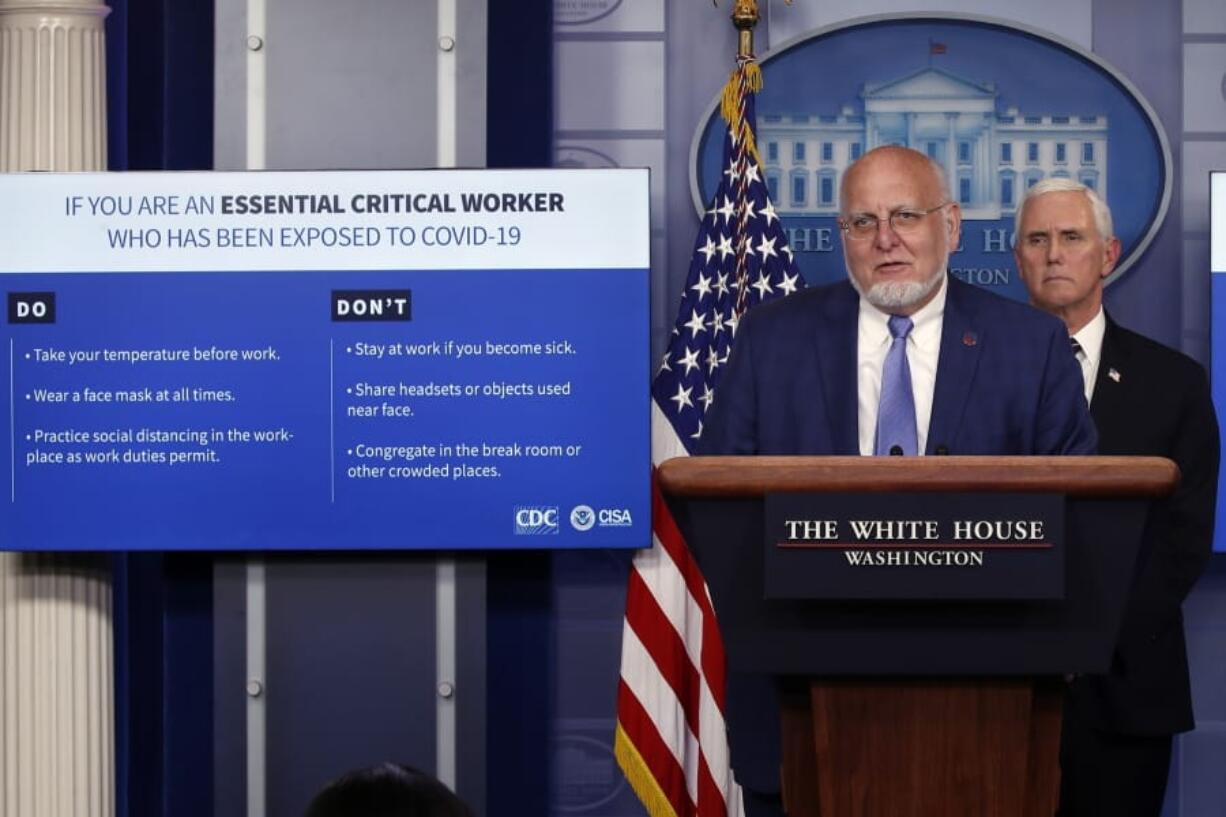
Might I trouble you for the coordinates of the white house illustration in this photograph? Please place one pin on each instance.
(989, 157)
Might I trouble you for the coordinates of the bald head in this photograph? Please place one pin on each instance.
(899, 162)
(899, 227)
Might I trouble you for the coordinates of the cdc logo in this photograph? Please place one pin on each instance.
(536, 520)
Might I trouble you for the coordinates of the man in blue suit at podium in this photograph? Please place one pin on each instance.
(902, 359)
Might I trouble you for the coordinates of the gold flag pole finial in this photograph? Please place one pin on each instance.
(745, 18)
(746, 77)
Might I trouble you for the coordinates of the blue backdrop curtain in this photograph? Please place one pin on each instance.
(519, 628)
(159, 64)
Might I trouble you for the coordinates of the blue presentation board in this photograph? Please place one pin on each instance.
(341, 360)
(1217, 266)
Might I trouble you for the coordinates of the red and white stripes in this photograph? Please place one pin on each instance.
(671, 741)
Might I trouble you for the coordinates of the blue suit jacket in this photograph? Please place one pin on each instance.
(1007, 383)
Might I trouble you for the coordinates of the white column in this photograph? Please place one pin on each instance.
(951, 155)
(981, 168)
(57, 717)
(993, 153)
(52, 85)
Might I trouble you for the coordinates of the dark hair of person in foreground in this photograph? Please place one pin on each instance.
(387, 790)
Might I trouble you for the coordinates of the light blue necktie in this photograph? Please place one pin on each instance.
(896, 411)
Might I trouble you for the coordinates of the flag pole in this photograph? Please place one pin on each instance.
(746, 77)
(745, 18)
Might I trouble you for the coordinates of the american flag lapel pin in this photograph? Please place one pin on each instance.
(969, 339)
(1114, 374)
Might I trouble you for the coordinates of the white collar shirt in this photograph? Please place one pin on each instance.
(923, 351)
(1090, 338)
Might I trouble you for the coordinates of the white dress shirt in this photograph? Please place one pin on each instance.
(923, 350)
(1090, 337)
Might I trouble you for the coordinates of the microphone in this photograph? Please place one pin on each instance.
(896, 451)
(942, 450)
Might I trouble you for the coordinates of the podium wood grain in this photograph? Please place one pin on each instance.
(922, 748)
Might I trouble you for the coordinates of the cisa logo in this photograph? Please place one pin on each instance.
(582, 517)
(536, 520)
(614, 518)
(585, 517)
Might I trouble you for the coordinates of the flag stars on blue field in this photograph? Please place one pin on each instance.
(696, 324)
(789, 283)
(689, 360)
(682, 397)
(766, 247)
(763, 285)
(733, 173)
(740, 259)
(703, 287)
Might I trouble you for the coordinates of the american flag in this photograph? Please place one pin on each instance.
(670, 740)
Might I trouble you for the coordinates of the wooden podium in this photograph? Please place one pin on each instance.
(919, 708)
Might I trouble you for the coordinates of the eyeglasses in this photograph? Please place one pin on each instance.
(904, 220)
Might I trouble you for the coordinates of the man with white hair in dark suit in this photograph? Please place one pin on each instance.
(1146, 399)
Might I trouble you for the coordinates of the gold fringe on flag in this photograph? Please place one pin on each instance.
(746, 79)
(640, 777)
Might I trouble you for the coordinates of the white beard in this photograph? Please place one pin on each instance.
(894, 295)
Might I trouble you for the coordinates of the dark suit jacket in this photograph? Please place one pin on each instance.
(1007, 383)
(1156, 403)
